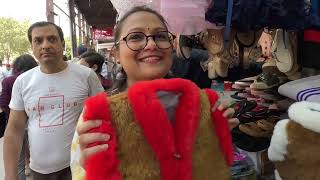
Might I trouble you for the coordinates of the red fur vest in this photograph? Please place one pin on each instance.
(144, 144)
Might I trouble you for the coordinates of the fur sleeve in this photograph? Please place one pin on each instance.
(279, 141)
(103, 165)
(221, 128)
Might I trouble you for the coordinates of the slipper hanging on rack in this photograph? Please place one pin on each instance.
(284, 59)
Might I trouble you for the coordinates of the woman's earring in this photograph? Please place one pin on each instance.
(120, 75)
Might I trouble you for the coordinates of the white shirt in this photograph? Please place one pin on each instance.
(53, 103)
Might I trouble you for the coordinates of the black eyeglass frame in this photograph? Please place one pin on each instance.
(147, 39)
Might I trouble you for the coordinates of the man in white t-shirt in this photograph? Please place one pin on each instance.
(49, 99)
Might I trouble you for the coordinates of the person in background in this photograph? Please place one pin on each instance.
(80, 50)
(7, 71)
(143, 47)
(95, 61)
(47, 99)
(22, 64)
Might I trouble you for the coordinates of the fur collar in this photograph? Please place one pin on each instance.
(172, 145)
(306, 114)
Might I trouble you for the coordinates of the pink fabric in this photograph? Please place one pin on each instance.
(122, 6)
(185, 17)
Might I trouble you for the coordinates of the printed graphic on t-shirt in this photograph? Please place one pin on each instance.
(51, 111)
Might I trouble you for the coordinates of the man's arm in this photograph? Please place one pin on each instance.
(13, 139)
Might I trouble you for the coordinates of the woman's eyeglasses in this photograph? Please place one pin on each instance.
(137, 41)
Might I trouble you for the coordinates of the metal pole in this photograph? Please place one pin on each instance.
(73, 30)
(83, 29)
(63, 12)
(79, 26)
(89, 35)
(49, 11)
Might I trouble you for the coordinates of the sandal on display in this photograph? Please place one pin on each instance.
(239, 86)
(254, 115)
(249, 143)
(240, 95)
(257, 92)
(266, 125)
(270, 97)
(246, 84)
(252, 129)
(265, 81)
(249, 79)
(244, 106)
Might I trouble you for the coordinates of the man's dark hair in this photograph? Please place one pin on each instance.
(43, 24)
(93, 58)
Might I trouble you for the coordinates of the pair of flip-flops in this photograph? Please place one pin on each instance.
(244, 106)
(266, 81)
(247, 142)
(260, 128)
(240, 95)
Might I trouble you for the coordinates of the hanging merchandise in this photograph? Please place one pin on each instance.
(286, 49)
(255, 14)
(311, 48)
(122, 6)
(185, 17)
(284, 58)
(313, 19)
(187, 43)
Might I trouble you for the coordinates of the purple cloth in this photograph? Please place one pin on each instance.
(5, 96)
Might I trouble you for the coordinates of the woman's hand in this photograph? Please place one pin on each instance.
(228, 113)
(87, 138)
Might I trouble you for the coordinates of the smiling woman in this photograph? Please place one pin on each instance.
(143, 49)
(147, 114)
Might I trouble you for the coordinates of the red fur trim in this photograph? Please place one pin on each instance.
(221, 128)
(103, 165)
(166, 140)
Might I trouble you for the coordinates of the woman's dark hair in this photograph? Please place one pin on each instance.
(23, 63)
(118, 27)
(120, 85)
(93, 58)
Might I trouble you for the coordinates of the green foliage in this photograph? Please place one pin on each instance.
(68, 47)
(13, 38)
